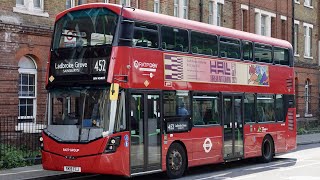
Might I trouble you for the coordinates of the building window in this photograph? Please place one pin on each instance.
(20, 2)
(283, 27)
(125, 3)
(210, 12)
(176, 8)
(295, 38)
(82, 2)
(31, 7)
(106, 1)
(244, 20)
(308, 3)
(185, 9)
(307, 99)
(308, 40)
(297, 96)
(37, 3)
(27, 89)
(244, 17)
(180, 9)
(215, 12)
(263, 25)
(156, 7)
(297, 1)
(219, 14)
(70, 4)
(263, 22)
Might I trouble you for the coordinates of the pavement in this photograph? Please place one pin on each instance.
(36, 172)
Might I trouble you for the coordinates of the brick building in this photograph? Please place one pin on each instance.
(26, 28)
(306, 40)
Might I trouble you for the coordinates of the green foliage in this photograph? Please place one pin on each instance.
(301, 131)
(12, 157)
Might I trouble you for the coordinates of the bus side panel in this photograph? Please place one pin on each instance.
(207, 143)
(255, 133)
(250, 148)
(203, 145)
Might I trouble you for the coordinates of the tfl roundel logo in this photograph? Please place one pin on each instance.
(207, 145)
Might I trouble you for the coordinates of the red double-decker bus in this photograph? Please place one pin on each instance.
(132, 92)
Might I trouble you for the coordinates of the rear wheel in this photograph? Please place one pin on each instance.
(267, 150)
(176, 161)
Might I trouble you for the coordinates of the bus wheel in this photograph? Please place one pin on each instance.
(176, 161)
(267, 150)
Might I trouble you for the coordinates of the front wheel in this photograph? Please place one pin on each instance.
(267, 150)
(176, 161)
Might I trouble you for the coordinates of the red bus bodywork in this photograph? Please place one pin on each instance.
(90, 156)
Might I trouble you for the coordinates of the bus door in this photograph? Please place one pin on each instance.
(145, 123)
(232, 109)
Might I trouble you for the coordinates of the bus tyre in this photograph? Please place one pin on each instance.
(267, 150)
(176, 161)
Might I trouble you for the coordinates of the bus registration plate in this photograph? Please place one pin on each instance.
(72, 169)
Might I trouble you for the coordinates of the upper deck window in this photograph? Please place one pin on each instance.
(229, 48)
(204, 43)
(145, 35)
(281, 56)
(247, 50)
(263, 53)
(89, 27)
(175, 39)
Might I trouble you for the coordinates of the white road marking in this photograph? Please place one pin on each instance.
(21, 172)
(296, 167)
(214, 176)
(263, 167)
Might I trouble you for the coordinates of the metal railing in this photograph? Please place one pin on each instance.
(19, 142)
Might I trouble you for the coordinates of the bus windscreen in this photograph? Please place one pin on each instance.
(88, 27)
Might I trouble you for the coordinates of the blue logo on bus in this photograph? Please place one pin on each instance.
(126, 137)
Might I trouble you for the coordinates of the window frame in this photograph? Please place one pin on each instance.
(127, 3)
(308, 28)
(273, 106)
(203, 33)
(23, 71)
(29, 8)
(208, 94)
(242, 50)
(231, 38)
(296, 38)
(156, 6)
(254, 52)
(308, 3)
(72, 4)
(273, 56)
(161, 38)
(254, 108)
(149, 30)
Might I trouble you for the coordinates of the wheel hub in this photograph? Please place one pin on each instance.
(176, 160)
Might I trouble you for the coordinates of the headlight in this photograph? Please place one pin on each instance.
(113, 144)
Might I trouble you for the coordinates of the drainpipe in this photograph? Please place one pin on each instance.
(201, 10)
(292, 26)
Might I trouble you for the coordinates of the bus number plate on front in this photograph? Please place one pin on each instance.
(72, 169)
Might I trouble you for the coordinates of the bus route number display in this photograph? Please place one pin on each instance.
(99, 66)
(175, 126)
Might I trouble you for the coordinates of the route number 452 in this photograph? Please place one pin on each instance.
(100, 65)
